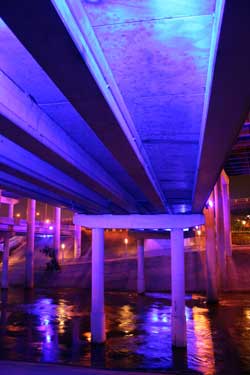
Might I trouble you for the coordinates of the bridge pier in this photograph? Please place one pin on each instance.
(5, 261)
(178, 288)
(98, 334)
(140, 267)
(211, 256)
(57, 231)
(226, 214)
(29, 266)
(135, 221)
(77, 241)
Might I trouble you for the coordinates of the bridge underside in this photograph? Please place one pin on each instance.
(121, 108)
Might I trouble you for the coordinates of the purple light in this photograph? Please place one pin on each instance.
(51, 227)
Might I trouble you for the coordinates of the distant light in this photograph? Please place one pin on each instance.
(196, 227)
(210, 203)
(244, 222)
(63, 246)
(51, 227)
(38, 214)
(185, 229)
(47, 221)
(18, 215)
(126, 241)
(199, 232)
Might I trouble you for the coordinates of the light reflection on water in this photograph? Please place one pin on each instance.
(54, 326)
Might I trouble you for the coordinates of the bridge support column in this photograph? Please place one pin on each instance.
(211, 258)
(227, 214)
(140, 267)
(220, 233)
(11, 210)
(178, 288)
(5, 261)
(77, 242)
(57, 231)
(98, 334)
(29, 267)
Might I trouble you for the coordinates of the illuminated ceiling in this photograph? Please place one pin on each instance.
(115, 107)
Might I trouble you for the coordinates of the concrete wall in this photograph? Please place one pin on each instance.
(121, 274)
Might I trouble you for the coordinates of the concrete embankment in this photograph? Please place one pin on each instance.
(120, 274)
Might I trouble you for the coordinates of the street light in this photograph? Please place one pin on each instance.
(126, 246)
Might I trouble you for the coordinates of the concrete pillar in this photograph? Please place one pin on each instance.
(211, 258)
(98, 334)
(227, 218)
(5, 261)
(140, 267)
(29, 267)
(77, 242)
(11, 211)
(57, 231)
(178, 288)
(220, 234)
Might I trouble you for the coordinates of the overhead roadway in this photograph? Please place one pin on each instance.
(121, 108)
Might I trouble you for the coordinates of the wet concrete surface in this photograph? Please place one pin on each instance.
(53, 326)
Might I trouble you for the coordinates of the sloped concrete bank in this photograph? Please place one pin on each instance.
(120, 274)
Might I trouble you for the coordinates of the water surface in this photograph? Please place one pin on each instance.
(54, 326)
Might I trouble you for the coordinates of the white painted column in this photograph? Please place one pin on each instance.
(5, 261)
(211, 258)
(98, 334)
(77, 241)
(29, 266)
(140, 267)
(11, 211)
(178, 288)
(227, 218)
(57, 231)
(220, 235)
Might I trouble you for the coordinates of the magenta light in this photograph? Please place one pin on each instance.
(51, 227)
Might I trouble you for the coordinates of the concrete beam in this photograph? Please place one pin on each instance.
(75, 81)
(7, 200)
(23, 165)
(229, 98)
(139, 221)
(24, 123)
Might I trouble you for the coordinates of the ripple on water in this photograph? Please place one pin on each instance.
(54, 326)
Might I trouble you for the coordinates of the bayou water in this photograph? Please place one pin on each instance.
(54, 326)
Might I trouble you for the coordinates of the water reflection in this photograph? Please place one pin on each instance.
(54, 326)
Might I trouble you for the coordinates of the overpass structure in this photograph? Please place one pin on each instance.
(124, 108)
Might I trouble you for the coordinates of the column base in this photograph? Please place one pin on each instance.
(179, 338)
(98, 334)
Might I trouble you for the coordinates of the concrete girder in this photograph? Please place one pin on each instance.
(134, 221)
(229, 98)
(30, 190)
(21, 163)
(76, 82)
(27, 125)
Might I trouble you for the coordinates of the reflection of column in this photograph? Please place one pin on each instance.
(227, 216)
(178, 288)
(211, 261)
(77, 241)
(57, 230)
(75, 339)
(97, 310)
(29, 269)
(140, 267)
(5, 262)
(220, 236)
